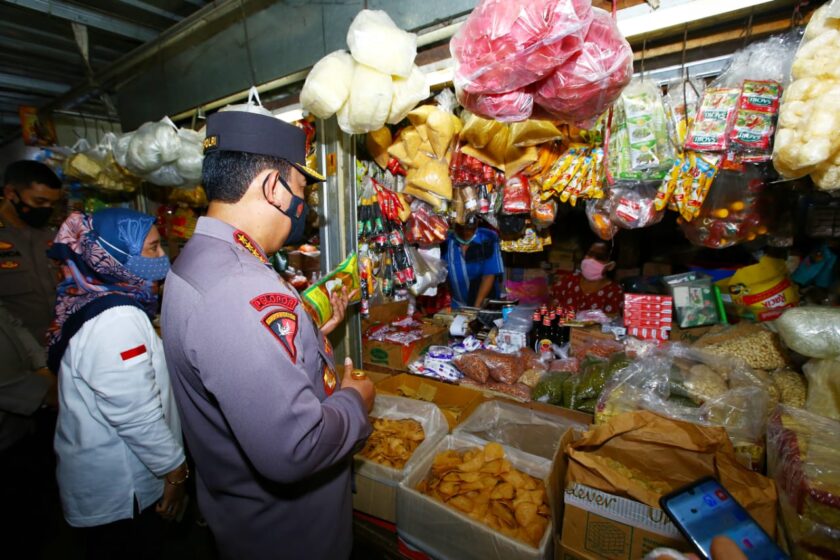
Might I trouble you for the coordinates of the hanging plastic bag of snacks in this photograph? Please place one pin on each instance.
(598, 213)
(516, 196)
(633, 206)
(734, 212)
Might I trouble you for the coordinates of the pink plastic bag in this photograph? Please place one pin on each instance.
(587, 84)
(514, 106)
(507, 44)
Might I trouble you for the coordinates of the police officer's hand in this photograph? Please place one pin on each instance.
(339, 301)
(363, 386)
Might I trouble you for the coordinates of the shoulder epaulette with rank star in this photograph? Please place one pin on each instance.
(244, 240)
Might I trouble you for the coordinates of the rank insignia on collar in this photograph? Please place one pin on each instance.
(9, 265)
(284, 326)
(274, 300)
(330, 381)
(244, 240)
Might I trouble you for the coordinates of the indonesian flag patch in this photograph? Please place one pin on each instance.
(284, 326)
(134, 355)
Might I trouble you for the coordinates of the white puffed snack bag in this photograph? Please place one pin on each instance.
(121, 149)
(408, 92)
(375, 40)
(369, 103)
(327, 86)
(153, 145)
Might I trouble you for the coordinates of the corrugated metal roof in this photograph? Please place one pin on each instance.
(39, 57)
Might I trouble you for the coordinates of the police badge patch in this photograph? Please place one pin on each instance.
(330, 381)
(283, 325)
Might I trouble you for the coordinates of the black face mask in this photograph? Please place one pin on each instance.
(31, 216)
(297, 212)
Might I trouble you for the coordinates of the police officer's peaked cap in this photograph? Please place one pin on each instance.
(238, 131)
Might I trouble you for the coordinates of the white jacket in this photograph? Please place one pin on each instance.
(118, 430)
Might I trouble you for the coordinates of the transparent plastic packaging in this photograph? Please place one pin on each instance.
(688, 384)
(427, 414)
(811, 331)
(823, 387)
(153, 145)
(408, 92)
(584, 86)
(528, 430)
(632, 206)
(376, 41)
(803, 457)
(327, 85)
(512, 106)
(369, 102)
(508, 44)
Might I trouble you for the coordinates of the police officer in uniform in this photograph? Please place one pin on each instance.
(27, 277)
(271, 428)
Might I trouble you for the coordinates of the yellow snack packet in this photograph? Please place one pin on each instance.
(316, 298)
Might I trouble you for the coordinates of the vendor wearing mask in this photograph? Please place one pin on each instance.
(590, 288)
(27, 276)
(474, 262)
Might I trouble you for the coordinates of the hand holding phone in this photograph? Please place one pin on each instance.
(704, 510)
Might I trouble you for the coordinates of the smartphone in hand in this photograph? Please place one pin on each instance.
(704, 510)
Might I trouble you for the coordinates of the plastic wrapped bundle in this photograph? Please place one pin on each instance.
(192, 155)
(369, 103)
(121, 149)
(408, 92)
(811, 331)
(166, 176)
(587, 84)
(803, 456)
(154, 144)
(327, 85)
(513, 106)
(376, 41)
(508, 44)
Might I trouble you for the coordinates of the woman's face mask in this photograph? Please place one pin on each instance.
(592, 269)
(148, 268)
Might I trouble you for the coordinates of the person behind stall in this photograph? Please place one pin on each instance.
(474, 262)
(590, 288)
(271, 429)
(26, 385)
(27, 276)
(121, 465)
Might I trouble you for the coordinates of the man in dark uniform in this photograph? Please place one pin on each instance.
(271, 430)
(27, 277)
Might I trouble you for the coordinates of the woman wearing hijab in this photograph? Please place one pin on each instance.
(118, 440)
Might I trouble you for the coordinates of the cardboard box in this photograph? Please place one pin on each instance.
(443, 532)
(396, 356)
(598, 526)
(385, 312)
(456, 403)
(375, 484)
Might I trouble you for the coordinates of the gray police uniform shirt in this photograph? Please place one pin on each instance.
(271, 432)
(27, 277)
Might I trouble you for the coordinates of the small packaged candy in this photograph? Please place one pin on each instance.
(709, 132)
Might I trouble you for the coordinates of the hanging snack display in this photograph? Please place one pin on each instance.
(681, 107)
(734, 212)
(377, 83)
(807, 143)
(640, 146)
(578, 173)
(685, 187)
(560, 57)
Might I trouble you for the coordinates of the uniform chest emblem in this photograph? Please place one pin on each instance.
(5, 245)
(330, 382)
(284, 326)
(9, 265)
